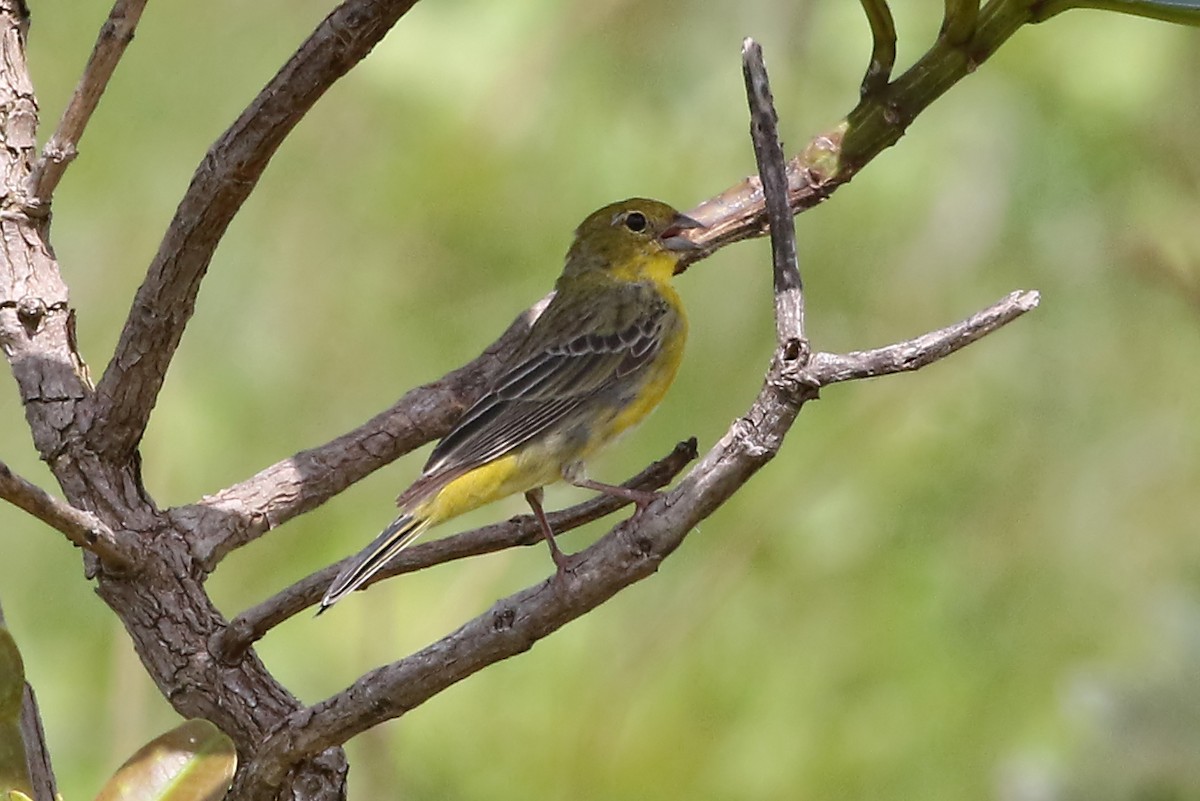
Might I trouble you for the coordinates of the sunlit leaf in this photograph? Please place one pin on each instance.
(193, 762)
(12, 677)
(17, 795)
(14, 773)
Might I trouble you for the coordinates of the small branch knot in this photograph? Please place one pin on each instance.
(31, 311)
(796, 350)
(503, 619)
(230, 643)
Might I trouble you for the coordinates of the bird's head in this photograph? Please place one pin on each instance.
(634, 239)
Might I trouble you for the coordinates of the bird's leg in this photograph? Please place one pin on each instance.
(564, 562)
(573, 474)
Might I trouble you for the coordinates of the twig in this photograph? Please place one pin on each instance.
(768, 153)
(82, 528)
(252, 624)
(832, 368)
(115, 35)
(229, 172)
(883, 47)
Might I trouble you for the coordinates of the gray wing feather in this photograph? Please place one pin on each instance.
(542, 389)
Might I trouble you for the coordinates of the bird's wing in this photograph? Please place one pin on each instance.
(542, 388)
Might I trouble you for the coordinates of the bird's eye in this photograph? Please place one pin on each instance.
(635, 221)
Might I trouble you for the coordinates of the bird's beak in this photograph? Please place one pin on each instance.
(672, 238)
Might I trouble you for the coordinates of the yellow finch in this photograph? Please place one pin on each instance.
(596, 362)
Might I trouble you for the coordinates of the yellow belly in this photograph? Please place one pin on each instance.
(660, 376)
(520, 471)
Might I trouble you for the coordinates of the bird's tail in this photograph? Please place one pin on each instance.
(393, 539)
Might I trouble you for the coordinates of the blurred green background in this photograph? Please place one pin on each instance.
(980, 581)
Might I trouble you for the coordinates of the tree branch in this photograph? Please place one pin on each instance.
(115, 35)
(230, 170)
(768, 153)
(831, 368)
(82, 528)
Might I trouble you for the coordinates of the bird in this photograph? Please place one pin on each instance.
(596, 362)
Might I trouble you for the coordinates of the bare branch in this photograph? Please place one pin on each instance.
(629, 552)
(224, 179)
(82, 528)
(829, 368)
(252, 624)
(789, 289)
(115, 35)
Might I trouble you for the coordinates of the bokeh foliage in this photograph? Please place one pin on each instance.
(978, 581)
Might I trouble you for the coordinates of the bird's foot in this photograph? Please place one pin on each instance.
(640, 498)
(564, 563)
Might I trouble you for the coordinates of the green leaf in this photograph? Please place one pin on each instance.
(14, 772)
(12, 677)
(192, 762)
(17, 795)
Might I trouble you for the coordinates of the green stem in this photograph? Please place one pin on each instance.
(1182, 12)
(879, 121)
